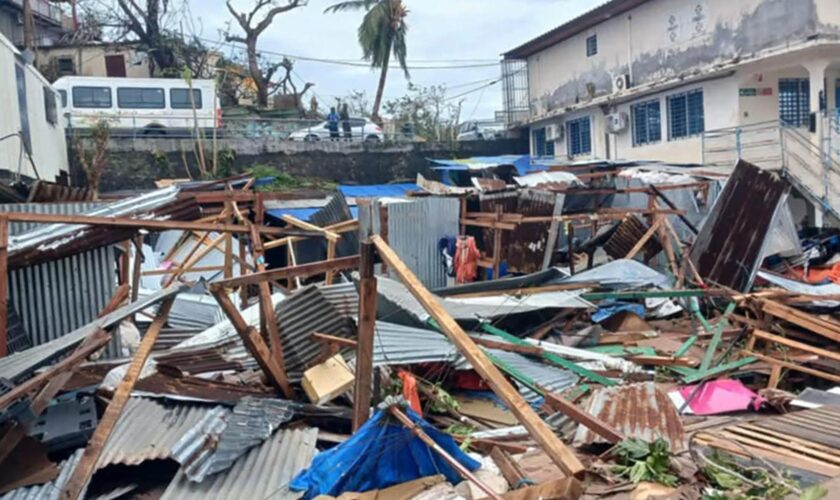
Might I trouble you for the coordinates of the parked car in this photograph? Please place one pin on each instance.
(361, 129)
(480, 131)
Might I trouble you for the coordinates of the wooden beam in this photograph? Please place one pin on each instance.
(98, 340)
(153, 224)
(306, 226)
(820, 326)
(823, 353)
(254, 343)
(182, 270)
(194, 257)
(4, 285)
(643, 240)
(542, 434)
(328, 279)
(596, 425)
(367, 328)
(137, 266)
(303, 270)
(520, 292)
(797, 367)
(333, 340)
(342, 227)
(508, 467)
(85, 467)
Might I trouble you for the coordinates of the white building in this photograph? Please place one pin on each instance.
(32, 140)
(648, 79)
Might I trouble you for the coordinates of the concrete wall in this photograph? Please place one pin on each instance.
(49, 150)
(90, 60)
(136, 164)
(667, 39)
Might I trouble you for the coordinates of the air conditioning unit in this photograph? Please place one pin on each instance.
(621, 83)
(617, 122)
(555, 132)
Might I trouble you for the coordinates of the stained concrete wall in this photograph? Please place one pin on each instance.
(136, 164)
(667, 39)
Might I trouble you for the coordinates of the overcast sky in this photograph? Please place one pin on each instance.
(478, 30)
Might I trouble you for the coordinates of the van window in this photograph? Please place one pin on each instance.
(50, 106)
(180, 98)
(130, 98)
(91, 97)
(23, 108)
(63, 94)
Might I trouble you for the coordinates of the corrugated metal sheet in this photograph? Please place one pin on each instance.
(730, 246)
(299, 316)
(222, 437)
(627, 235)
(51, 490)
(343, 296)
(415, 230)
(73, 289)
(337, 210)
(402, 345)
(637, 411)
(264, 473)
(148, 429)
(19, 366)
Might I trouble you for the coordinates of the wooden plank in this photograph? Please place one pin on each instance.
(181, 270)
(793, 366)
(333, 340)
(824, 353)
(84, 468)
(508, 467)
(153, 224)
(542, 434)
(507, 346)
(306, 226)
(367, 328)
(643, 240)
(827, 329)
(254, 343)
(328, 279)
(303, 270)
(596, 425)
(520, 292)
(489, 225)
(194, 256)
(4, 286)
(135, 271)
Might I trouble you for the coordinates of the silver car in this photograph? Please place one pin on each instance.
(361, 129)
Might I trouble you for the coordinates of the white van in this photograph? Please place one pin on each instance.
(143, 106)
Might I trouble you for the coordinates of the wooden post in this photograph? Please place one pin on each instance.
(243, 270)
(4, 286)
(138, 262)
(542, 434)
(364, 345)
(463, 227)
(228, 273)
(255, 344)
(125, 264)
(775, 376)
(497, 245)
(330, 256)
(570, 233)
(85, 467)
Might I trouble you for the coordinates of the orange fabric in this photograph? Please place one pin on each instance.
(466, 260)
(409, 386)
(816, 276)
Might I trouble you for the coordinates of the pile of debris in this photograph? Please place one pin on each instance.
(600, 330)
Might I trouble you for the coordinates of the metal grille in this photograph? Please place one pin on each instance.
(542, 146)
(647, 122)
(515, 90)
(591, 45)
(580, 136)
(794, 101)
(686, 115)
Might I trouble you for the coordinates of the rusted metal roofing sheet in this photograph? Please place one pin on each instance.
(637, 411)
(730, 247)
(52, 489)
(149, 428)
(263, 473)
(524, 249)
(627, 235)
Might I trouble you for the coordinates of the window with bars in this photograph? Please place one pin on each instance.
(647, 122)
(579, 136)
(591, 45)
(542, 146)
(686, 116)
(795, 101)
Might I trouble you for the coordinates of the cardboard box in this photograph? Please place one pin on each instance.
(328, 380)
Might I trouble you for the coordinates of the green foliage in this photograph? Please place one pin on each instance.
(284, 181)
(727, 485)
(442, 400)
(224, 162)
(464, 431)
(382, 32)
(427, 108)
(161, 159)
(639, 462)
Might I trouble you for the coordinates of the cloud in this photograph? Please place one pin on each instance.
(438, 30)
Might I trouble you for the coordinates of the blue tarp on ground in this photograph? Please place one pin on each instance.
(378, 190)
(524, 164)
(303, 213)
(380, 454)
(609, 310)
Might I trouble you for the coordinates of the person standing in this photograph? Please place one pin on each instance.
(332, 124)
(345, 122)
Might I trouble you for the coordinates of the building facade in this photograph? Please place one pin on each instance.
(49, 20)
(100, 59)
(647, 79)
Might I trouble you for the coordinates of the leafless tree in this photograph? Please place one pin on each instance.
(254, 23)
(147, 23)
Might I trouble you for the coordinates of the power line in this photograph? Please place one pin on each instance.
(351, 63)
(477, 89)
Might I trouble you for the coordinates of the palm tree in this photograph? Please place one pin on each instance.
(381, 33)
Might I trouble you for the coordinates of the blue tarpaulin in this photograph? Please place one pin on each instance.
(303, 213)
(380, 454)
(524, 164)
(378, 190)
(606, 311)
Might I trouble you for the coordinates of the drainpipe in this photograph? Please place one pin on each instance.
(630, 49)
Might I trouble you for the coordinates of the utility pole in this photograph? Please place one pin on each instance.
(28, 27)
